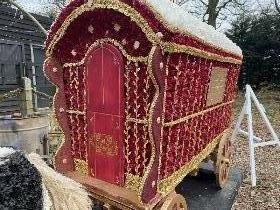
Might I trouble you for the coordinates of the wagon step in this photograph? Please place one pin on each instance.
(107, 193)
(114, 197)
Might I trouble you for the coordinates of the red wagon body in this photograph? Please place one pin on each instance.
(140, 101)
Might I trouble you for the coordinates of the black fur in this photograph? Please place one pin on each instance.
(20, 184)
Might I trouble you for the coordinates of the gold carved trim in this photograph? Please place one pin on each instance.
(103, 4)
(180, 120)
(130, 119)
(77, 112)
(177, 48)
(115, 43)
(104, 144)
(150, 120)
(166, 185)
(141, 22)
(81, 167)
(133, 182)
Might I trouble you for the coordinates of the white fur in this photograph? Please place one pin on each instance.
(64, 193)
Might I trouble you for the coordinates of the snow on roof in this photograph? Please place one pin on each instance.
(177, 17)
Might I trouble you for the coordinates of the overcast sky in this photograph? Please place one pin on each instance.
(31, 5)
(35, 5)
(38, 6)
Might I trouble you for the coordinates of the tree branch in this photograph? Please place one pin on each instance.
(28, 14)
(206, 12)
(204, 3)
(277, 6)
(180, 3)
(223, 5)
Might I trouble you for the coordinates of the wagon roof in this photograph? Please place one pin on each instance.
(177, 17)
(173, 17)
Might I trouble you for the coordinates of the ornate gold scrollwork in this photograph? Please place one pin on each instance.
(81, 167)
(104, 144)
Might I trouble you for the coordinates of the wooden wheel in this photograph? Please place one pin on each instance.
(174, 202)
(223, 161)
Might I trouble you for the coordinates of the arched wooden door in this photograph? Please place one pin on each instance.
(105, 113)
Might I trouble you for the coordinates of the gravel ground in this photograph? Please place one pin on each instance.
(266, 195)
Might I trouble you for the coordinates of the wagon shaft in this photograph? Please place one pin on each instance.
(143, 96)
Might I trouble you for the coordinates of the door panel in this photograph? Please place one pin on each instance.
(95, 81)
(111, 83)
(42, 84)
(11, 59)
(105, 114)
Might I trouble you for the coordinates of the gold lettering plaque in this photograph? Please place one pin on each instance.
(217, 86)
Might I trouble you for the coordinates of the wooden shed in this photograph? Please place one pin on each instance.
(144, 95)
(21, 55)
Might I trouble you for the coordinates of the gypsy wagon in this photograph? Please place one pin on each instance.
(144, 95)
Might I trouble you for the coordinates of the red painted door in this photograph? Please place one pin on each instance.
(105, 113)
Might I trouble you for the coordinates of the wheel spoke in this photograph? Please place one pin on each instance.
(224, 172)
(227, 171)
(174, 202)
(223, 161)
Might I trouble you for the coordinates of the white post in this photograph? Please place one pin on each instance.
(238, 123)
(263, 115)
(251, 136)
(254, 141)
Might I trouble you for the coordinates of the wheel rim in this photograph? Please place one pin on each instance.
(175, 202)
(178, 206)
(223, 161)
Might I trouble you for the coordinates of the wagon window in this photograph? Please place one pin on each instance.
(217, 86)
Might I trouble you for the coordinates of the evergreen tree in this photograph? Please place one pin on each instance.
(259, 38)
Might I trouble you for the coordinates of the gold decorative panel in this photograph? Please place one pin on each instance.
(81, 167)
(104, 144)
(217, 86)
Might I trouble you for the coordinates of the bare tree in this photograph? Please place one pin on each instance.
(53, 7)
(179, 2)
(211, 11)
(277, 6)
(59, 4)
